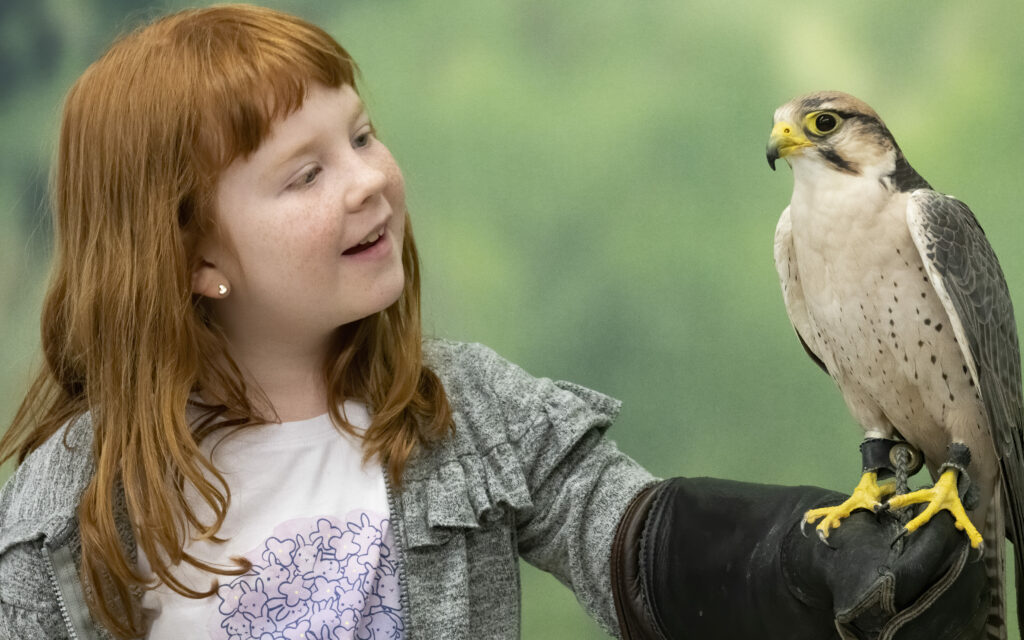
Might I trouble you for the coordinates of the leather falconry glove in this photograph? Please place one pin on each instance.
(707, 558)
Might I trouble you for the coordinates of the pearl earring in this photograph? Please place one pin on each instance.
(222, 289)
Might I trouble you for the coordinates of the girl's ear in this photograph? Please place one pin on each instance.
(209, 281)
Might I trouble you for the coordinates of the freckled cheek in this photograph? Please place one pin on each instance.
(294, 249)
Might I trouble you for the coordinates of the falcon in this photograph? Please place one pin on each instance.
(895, 292)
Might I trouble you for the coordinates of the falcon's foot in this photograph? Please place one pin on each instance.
(943, 495)
(867, 495)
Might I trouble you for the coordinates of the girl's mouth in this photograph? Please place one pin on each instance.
(363, 246)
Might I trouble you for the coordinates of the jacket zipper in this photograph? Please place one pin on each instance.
(398, 527)
(52, 571)
(64, 577)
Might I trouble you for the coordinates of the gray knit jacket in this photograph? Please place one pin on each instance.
(528, 473)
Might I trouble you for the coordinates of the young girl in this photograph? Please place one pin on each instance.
(240, 433)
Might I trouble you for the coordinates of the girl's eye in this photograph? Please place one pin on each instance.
(362, 140)
(364, 137)
(307, 178)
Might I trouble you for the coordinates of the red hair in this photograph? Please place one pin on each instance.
(146, 131)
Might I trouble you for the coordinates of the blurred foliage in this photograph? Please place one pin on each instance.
(590, 194)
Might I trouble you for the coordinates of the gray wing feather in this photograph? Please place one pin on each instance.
(969, 281)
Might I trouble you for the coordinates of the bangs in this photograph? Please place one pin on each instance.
(251, 71)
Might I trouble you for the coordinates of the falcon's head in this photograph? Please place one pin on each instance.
(837, 132)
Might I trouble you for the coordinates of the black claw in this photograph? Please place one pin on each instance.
(980, 550)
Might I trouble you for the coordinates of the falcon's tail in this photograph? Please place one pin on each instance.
(995, 566)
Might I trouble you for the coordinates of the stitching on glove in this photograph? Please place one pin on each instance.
(928, 597)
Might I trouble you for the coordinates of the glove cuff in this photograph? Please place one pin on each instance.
(700, 558)
(636, 619)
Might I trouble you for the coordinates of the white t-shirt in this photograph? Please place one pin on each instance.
(314, 522)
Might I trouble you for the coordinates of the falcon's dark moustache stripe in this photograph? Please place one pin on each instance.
(837, 161)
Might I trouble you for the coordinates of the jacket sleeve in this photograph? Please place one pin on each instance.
(570, 529)
(579, 482)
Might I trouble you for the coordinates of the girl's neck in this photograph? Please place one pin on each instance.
(295, 399)
(291, 380)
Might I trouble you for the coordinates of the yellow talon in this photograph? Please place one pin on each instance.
(866, 495)
(941, 496)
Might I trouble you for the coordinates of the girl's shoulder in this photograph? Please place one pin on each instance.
(483, 386)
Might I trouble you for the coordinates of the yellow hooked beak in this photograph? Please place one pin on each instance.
(785, 139)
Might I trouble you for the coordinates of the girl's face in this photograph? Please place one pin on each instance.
(312, 225)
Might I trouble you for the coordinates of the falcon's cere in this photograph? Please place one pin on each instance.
(895, 292)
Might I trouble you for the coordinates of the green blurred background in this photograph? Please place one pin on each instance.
(591, 197)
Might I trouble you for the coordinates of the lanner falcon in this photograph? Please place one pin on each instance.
(895, 292)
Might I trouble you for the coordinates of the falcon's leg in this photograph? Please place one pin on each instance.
(875, 453)
(945, 494)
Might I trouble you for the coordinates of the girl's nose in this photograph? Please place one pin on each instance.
(367, 182)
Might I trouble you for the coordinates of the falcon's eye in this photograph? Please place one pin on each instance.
(822, 122)
(825, 122)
